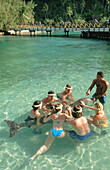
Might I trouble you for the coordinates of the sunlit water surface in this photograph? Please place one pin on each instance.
(29, 68)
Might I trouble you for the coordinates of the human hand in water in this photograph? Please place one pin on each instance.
(91, 116)
(31, 158)
(88, 92)
(93, 98)
(82, 103)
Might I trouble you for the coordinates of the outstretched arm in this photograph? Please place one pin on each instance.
(71, 96)
(69, 116)
(44, 109)
(83, 104)
(47, 118)
(90, 88)
(62, 101)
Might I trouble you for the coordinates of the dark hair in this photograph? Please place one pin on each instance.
(100, 73)
(51, 92)
(75, 111)
(37, 102)
(68, 85)
(55, 107)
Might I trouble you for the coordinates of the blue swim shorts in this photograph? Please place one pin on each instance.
(101, 99)
(74, 135)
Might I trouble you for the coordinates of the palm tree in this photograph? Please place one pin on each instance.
(45, 9)
(69, 12)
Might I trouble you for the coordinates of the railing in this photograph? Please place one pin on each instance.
(74, 25)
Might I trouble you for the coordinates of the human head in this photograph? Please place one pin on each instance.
(77, 111)
(51, 94)
(58, 107)
(100, 74)
(68, 87)
(37, 105)
(98, 106)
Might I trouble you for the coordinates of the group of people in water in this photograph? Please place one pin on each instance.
(59, 109)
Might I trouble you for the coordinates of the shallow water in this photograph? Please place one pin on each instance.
(29, 68)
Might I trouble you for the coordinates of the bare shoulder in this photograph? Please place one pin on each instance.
(55, 98)
(84, 118)
(95, 80)
(44, 99)
(107, 83)
(71, 92)
(32, 111)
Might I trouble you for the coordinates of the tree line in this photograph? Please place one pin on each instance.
(48, 12)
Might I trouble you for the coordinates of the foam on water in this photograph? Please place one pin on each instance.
(29, 68)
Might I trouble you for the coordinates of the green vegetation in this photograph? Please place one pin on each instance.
(24, 12)
(15, 12)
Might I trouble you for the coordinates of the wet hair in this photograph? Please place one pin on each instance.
(77, 111)
(98, 106)
(68, 86)
(100, 73)
(37, 102)
(51, 92)
(57, 107)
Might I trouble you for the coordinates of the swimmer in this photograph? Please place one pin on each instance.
(57, 131)
(35, 115)
(48, 102)
(79, 124)
(99, 119)
(66, 94)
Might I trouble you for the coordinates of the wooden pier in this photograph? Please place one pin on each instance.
(97, 33)
(49, 31)
(94, 33)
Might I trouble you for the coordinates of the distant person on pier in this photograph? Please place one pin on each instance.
(40, 24)
(101, 88)
(107, 22)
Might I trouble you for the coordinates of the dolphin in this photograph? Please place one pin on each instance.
(14, 127)
(78, 102)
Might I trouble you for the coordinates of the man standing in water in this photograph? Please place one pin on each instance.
(101, 88)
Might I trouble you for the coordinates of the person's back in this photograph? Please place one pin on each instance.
(81, 126)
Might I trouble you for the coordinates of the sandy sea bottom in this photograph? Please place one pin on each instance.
(29, 68)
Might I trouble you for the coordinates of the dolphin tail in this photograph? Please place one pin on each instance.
(14, 127)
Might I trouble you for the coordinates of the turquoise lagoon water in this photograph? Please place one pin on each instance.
(29, 68)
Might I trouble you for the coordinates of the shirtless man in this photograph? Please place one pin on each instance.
(101, 90)
(66, 94)
(48, 102)
(79, 124)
